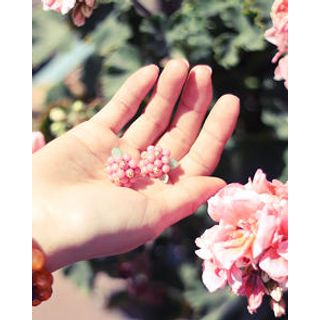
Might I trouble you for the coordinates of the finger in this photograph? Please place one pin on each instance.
(195, 100)
(145, 130)
(185, 197)
(126, 101)
(205, 153)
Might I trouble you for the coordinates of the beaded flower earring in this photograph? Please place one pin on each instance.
(122, 170)
(155, 162)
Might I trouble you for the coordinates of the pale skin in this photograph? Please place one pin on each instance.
(78, 214)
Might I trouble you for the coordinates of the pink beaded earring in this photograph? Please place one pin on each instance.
(154, 163)
(122, 170)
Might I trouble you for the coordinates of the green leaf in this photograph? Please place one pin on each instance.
(116, 152)
(279, 122)
(50, 34)
(220, 27)
(81, 274)
(122, 5)
(63, 63)
(284, 173)
(173, 164)
(110, 35)
(117, 68)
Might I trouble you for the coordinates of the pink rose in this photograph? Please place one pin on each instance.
(255, 211)
(278, 35)
(61, 6)
(279, 11)
(248, 249)
(38, 141)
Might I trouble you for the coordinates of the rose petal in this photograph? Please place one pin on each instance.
(266, 228)
(213, 277)
(234, 203)
(274, 265)
(228, 251)
(260, 184)
(235, 279)
(283, 249)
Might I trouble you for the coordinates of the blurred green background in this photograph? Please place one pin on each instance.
(77, 70)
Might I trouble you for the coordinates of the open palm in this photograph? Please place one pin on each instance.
(79, 214)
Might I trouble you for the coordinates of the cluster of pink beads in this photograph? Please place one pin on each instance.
(154, 162)
(122, 170)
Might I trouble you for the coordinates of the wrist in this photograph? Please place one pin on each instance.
(57, 241)
(46, 233)
(48, 227)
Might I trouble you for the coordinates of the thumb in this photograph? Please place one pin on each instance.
(184, 197)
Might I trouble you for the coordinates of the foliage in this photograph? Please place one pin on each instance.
(83, 67)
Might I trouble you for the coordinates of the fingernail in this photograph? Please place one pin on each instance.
(204, 66)
(208, 68)
(152, 65)
(179, 60)
(147, 67)
(186, 62)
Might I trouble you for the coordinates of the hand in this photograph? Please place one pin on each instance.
(79, 214)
